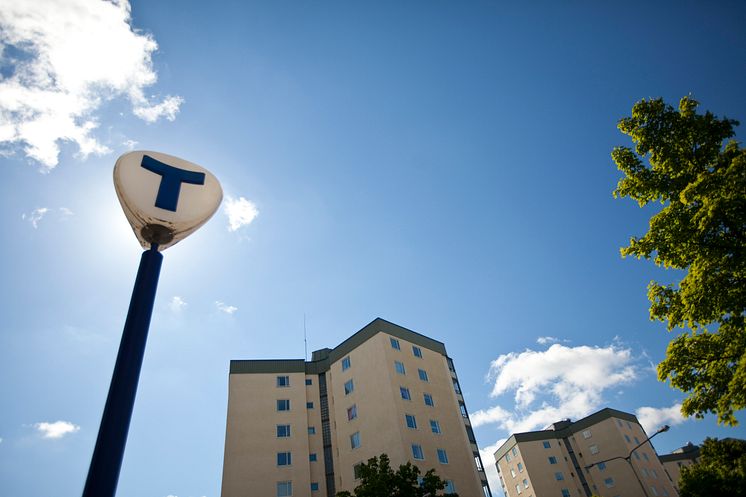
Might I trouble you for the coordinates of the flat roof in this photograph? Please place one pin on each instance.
(565, 431)
(328, 356)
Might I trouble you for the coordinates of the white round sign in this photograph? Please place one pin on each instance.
(164, 198)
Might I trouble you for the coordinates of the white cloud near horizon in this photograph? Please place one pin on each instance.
(58, 429)
(177, 304)
(488, 462)
(63, 60)
(557, 383)
(652, 418)
(240, 212)
(227, 309)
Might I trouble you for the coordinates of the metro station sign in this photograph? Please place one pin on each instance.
(164, 198)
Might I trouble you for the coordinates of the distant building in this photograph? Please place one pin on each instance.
(679, 458)
(566, 460)
(297, 428)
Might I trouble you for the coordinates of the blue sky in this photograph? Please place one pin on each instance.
(443, 165)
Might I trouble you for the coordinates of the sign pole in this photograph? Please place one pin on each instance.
(106, 462)
(165, 199)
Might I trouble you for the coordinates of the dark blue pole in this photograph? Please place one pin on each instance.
(103, 473)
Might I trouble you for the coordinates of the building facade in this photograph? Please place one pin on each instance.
(678, 459)
(591, 456)
(302, 428)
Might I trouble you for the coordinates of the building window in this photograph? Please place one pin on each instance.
(417, 452)
(525, 483)
(442, 456)
(423, 374)
(283, 404)
(314, 486)
(312, 457)
(352, 412)
(609, 482)
(450, 487)
(456, 386)
(349, 387)
(284, 489)
(478, 462)
(629, 425)
(619, 422)
(518, 489)
(645, 456)
(644, 472)
(520, 468)
(309, 381)
(450, 364)
(636, 440)
(546, 445)
(417, 351)
(559, 476)
(565, 492)
(601, 466)
(626, 437)
(411, 422)
(587, 434)
(357, 470)
(512, 472)
(283, 381)
(486, 489)
(284, 459)
(283, 430)
(346, 363)
(552, 460)
(399, 367)
(312, 430)
(653, 490)
(462, 406)
(594, 449)
(405, 393)
(637, 456)
(309, 405)
(429, 400)
(652, 472)
(435, 426)
(355, 440)
(395, 344)
(507, 457)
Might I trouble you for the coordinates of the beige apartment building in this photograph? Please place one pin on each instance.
(591, 456)
(678, 459)
(302, 428)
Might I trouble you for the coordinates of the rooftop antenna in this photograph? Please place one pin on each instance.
(305, 339)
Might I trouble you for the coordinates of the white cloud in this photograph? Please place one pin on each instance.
(557, 383)
(546, 340)
(652, 418)
(35, 216)
(228, 309)
(177, 304)
(240, 212)
(58, 429)
(64, 59)
(129, 144)
(488, 462)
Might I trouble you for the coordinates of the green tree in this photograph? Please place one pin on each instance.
(688, 162)
(720, 472)
(378, 479)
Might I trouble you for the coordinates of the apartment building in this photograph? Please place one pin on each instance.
(678, 459)
(302, 428)
(591, 456)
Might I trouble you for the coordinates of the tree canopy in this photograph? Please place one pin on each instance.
(688, 162)
(378, 479)
(720, 472)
